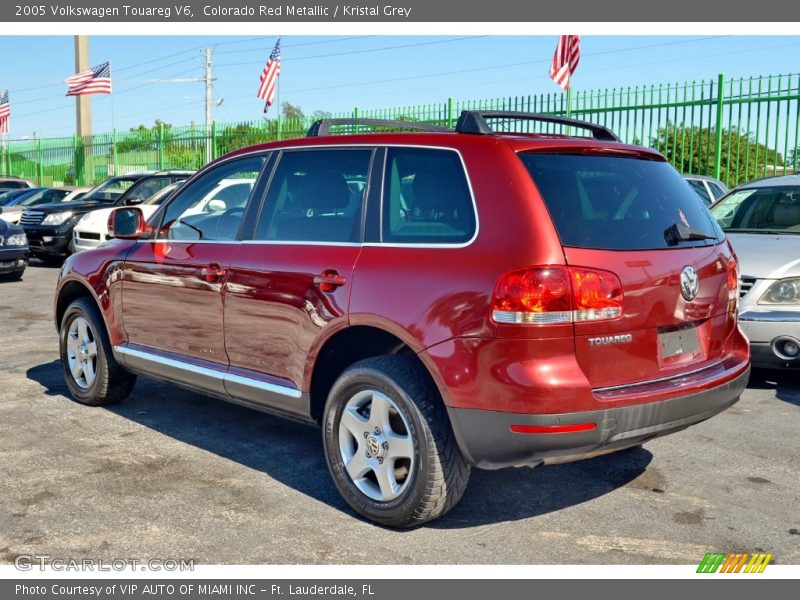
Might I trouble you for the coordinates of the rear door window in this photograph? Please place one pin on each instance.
(316, 196)
(620, 203)
(426, 197)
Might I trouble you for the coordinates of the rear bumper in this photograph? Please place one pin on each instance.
(486, 439)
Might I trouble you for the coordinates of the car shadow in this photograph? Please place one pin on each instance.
(292, 454)
(786, 383)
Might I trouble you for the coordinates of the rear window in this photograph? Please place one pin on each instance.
(616, 203)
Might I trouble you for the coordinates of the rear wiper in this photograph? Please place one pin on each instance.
(675, 234)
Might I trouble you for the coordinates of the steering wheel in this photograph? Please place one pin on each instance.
(227, 224)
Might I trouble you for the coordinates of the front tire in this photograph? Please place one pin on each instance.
(92, 374)
(389, 445)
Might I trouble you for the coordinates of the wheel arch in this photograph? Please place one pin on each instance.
(351, 344)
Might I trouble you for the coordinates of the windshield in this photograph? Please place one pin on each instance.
(159, 197)
(9, 196)
(110, 190)
(43, 197)
(760, 210)
(615, 203)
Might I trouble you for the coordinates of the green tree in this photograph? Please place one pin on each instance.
(692, 150)
(291, 111)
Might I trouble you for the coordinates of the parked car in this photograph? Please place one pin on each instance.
(435, 300)
(12, 211)
(92, 229)
(762, 221)
(707, 188)
(49, 226)
(15, 183)
(14, 251)
(7, 197)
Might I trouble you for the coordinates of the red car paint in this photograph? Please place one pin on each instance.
(257, 310)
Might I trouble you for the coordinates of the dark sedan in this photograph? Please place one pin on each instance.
(14, 251)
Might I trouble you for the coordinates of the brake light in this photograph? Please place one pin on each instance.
(597, 294)
(556, 294)
(733, 279)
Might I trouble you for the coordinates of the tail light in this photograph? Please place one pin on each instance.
(556, 294)
(733, 279)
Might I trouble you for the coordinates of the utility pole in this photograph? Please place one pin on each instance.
(208, 80)
(83, 113)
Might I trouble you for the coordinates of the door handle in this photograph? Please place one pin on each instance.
(212, 273)
(328, 281)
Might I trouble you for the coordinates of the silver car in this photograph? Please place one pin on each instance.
(762, 221)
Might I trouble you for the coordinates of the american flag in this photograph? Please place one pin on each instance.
(269, 76)
(5, 111)
(565, 60)
(96, 80)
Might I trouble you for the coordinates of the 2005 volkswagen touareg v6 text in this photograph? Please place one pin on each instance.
(434, 299)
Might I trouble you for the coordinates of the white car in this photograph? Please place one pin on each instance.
(92, 229)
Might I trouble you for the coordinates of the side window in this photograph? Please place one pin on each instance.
(700, 190)
(212, 206)
(426, 198)
(715, 190)
(142, 190)
(316, 196)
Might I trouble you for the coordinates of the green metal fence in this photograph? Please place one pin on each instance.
(733, 129)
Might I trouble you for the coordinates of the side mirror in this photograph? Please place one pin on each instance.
(134, 200)
(127, 223)
(216, 205)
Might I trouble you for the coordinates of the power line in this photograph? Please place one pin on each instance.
(365, 51)
(490, 67)
(315, 43)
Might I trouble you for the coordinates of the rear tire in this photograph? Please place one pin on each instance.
(389, 445)
(92, 374)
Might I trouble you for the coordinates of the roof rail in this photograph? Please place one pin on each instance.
(322, 127)
(474, 121)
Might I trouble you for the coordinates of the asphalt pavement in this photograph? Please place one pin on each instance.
(174, 474)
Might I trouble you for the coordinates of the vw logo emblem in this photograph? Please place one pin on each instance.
(373, 446)
(689, 283)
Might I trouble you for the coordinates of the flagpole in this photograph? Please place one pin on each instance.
(278, 97)
(113, 127)
(569, 101)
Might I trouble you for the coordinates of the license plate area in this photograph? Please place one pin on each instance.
(679, 345)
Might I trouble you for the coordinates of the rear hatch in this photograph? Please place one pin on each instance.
(636, 218)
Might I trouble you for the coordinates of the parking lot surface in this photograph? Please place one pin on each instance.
(173, 474)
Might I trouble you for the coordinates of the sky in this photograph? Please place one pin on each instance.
(158, 77)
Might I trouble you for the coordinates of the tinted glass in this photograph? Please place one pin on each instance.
(44, 197)
(10, 195)
(426, 198)
(700, 190)
(618, 203)
(717, 191)
(316, 196)
(760, 210)
(110, 190)
(144, 189)
(211, 207)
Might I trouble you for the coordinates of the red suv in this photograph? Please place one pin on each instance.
(433, 299)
